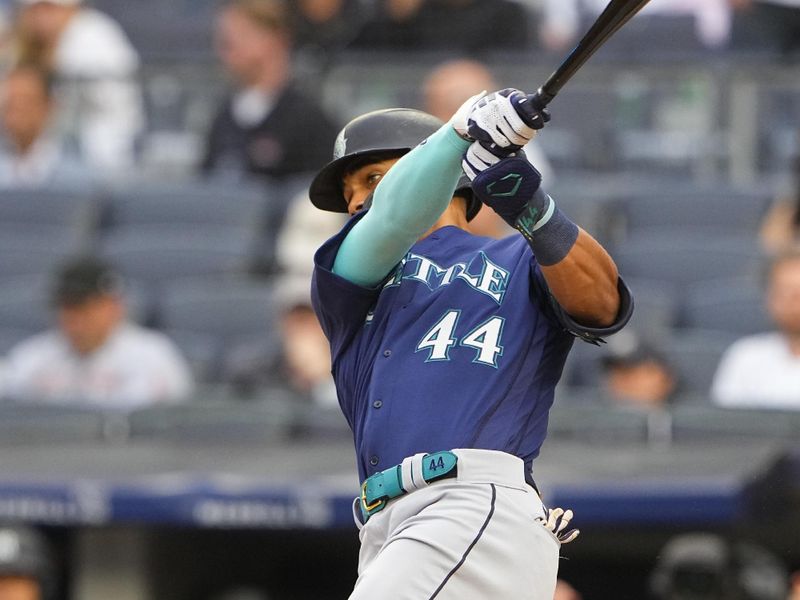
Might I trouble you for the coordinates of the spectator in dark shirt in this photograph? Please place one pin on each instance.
(322, 28)
(267, 127)
(472, 25)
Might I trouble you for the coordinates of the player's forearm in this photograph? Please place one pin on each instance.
(407, 202)
(584, 283)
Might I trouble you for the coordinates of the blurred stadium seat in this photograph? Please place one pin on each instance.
(656, 306)
(157, 254)
(211, 421)
(32, 423)
(679, 257)
(719, 209)
(734, 305)
(206, 203)
(231, 308)
(705, 422)
(695, 354)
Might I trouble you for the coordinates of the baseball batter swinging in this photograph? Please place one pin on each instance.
(447, 347)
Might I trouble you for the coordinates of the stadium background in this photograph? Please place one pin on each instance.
(661, 146)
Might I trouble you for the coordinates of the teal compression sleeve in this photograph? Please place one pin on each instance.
(407, 202)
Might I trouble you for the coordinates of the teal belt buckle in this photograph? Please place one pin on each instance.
(381, 487)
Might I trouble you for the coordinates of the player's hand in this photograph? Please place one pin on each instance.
(556, 521)
(505, 120)
(508, 186)
(460, 120)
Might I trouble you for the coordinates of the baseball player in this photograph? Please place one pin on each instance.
(446, 347)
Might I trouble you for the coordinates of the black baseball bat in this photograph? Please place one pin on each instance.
(615, 15)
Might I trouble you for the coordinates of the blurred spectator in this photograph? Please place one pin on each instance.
(637, 374)
(565, 591)
(95, 68)
(780, 228)
(767, 24)
(763, 371)
(564, 21)
(31, 154)
(267, 127)
(27, 570)
(700, 566)
(445, 89)
(95, 355)
(472, 25)
(301, 364)
(322, 28)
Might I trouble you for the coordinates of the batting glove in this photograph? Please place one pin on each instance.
(460, 120)
(505, 120)
(556, 521)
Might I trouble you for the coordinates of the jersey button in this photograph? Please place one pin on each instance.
(374, 461)
(387, 353)
(377, 403)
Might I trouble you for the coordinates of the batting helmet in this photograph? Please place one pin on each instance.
(381, 134)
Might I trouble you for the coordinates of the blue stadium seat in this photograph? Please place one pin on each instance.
(707, 422)
(201, 351)
(73, 210)
(233, 309)
(656, 306)
(32, 423)
(716, 209)
(695, 354)
(735, 305)
(681, 258)
(202, 421)
(156, 254)
(188, 203)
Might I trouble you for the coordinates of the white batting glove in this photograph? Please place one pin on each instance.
(477, 159)
(460, 120)
(505, 119)
(556, 521)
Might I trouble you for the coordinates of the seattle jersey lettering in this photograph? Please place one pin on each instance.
(481, 274)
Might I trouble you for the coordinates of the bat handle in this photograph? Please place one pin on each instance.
(541, 98)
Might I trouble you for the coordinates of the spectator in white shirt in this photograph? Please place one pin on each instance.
(763, 371)
(95, 355)
(95, 66)
(31, 153)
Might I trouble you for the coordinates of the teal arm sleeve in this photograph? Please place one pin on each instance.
(407, 202)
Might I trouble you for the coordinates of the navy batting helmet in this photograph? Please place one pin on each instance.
(381, 134)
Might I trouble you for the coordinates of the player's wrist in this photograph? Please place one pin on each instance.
(549, 232)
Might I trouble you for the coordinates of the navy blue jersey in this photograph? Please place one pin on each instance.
(461, 347)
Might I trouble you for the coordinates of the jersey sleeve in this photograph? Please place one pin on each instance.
(593, 335)
(341, 305)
